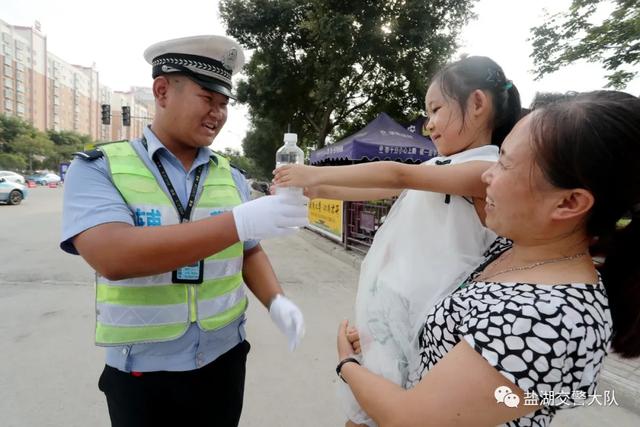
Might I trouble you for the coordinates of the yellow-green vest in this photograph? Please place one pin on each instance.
(152, 308)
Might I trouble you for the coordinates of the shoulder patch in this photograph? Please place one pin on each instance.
(89, 155)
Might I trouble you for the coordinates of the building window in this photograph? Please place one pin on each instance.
(6, 37)
(8, 93)
(20, 66)
(8, 104)
(8, 71)
(8, 82)
(20, 88)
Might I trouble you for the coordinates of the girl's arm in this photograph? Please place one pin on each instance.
(461, 179)
(457, 391)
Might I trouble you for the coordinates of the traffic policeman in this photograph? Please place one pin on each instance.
(169, 229)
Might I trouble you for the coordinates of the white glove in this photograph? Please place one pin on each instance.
(288, 318)
(270, 216)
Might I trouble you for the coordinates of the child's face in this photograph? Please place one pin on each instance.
(449, 132)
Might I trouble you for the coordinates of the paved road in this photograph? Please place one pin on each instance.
(49, 366)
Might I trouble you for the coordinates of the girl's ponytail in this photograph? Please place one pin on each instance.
(507, 113)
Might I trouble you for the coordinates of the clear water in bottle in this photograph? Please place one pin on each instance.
(289, 154)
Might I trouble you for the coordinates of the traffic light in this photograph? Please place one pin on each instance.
(106, 114)
(126, 115)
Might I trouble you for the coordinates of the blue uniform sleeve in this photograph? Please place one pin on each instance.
(90, 199)
(245, 195)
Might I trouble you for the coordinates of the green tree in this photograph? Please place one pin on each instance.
(24, 147)
(245, 163)
(14, 162)
(325, 67)
(11, 127)
(570, 36)
(35, 148)
(65, 144)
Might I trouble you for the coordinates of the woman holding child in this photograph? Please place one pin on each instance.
(537, 317)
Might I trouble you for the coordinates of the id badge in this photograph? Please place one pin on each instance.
(189, 273)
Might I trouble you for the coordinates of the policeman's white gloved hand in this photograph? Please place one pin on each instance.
(270, 216)
(288, 318)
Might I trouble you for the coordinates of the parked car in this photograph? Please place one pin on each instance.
(12, 192)
(12, 176)
(44, 178)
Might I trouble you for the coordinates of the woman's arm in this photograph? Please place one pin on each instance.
(350, 194)
(457, 391)
(461, 179)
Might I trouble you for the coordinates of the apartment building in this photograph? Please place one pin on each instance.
(141, 110)
(49, 92)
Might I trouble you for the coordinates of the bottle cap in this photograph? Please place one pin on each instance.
(291, 137)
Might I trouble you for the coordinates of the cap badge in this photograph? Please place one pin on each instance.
(229, 59)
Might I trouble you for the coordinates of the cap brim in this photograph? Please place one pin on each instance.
(212, 86)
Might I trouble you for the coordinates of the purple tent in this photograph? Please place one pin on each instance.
(381, 139)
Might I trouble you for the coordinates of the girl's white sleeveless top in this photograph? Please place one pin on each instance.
(427, 245)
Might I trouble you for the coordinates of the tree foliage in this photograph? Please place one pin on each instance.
(25, 148)
(326, 67)
(246, 164)
(570, 36)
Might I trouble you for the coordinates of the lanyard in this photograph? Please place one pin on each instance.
(185, 214)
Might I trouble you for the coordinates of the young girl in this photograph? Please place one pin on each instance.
(433, 235)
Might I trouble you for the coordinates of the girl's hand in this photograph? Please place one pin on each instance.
(354, 338)
(345, 348)
(295, 176)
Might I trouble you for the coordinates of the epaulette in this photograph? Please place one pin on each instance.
(242, 171)
(89, 155)
(96, 153)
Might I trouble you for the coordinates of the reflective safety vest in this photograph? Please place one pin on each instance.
(152, 308)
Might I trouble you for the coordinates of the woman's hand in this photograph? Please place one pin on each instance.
(295, 176)
(354, 338)
(308, 192)
(345, 348)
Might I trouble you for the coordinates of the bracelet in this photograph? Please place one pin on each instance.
(342, 362)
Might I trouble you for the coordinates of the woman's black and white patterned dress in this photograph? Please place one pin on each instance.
(547, 339)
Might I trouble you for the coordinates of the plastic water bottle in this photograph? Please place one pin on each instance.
(289, 154)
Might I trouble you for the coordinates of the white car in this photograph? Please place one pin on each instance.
(11, 192)
(12, 176)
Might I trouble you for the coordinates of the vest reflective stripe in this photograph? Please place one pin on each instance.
(120, 315)
(152, 309)
(163, 294)
(224, 318)
(213, 267)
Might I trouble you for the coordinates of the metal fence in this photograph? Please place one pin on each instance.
(362, 220)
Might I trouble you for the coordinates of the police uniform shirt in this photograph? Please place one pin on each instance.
(91, 199)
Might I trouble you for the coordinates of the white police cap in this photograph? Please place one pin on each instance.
(210, 61)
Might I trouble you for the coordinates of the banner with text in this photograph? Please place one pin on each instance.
(325, 216)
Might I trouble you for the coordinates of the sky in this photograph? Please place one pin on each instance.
(113, 34)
